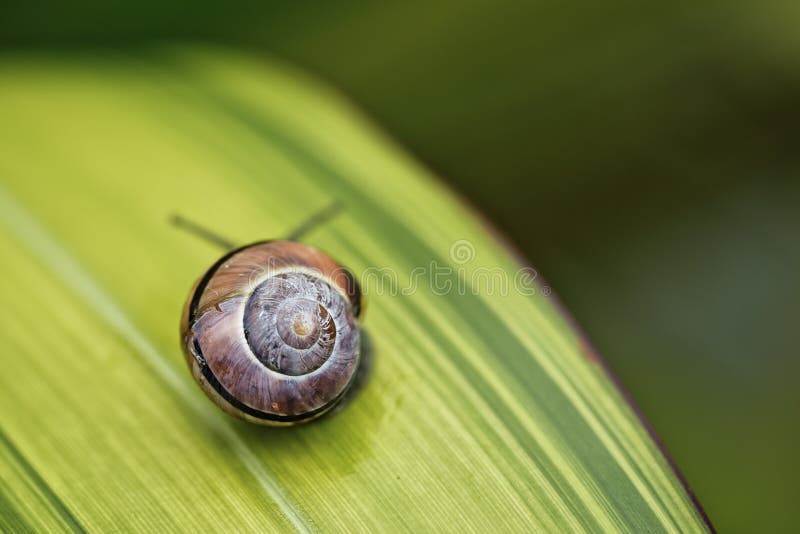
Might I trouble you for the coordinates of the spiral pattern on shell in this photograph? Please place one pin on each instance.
(270, 332)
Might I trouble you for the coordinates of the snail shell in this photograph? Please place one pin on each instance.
(270, 332)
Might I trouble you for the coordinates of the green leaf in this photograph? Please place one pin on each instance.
(483, 410)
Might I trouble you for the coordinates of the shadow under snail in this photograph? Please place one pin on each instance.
(270, 332)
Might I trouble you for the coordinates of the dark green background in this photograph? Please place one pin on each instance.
(644, 157)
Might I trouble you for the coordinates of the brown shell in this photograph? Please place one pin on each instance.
(220, 356)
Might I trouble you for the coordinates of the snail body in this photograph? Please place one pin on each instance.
(270, 332)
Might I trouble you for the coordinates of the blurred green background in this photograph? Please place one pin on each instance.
(645, 157)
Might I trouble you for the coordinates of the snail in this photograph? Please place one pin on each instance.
(270, 332)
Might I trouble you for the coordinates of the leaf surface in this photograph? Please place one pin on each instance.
(482, 409)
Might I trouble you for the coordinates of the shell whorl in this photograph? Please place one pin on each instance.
(270, 332)
(290, 322)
